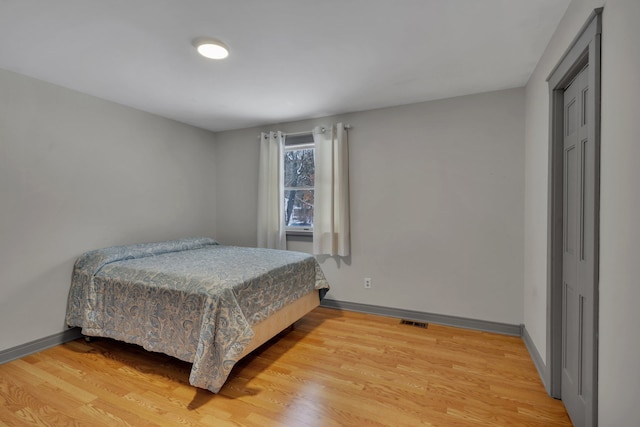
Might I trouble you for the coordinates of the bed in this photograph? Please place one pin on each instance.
(193, 299)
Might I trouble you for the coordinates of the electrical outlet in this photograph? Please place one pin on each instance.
(367, 282)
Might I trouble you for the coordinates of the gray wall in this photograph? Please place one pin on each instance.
(436, 202)
(78, 173)
(619, 350)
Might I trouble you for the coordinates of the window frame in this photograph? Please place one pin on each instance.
(295, 143)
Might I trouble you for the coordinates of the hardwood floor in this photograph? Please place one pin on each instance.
(335, 368)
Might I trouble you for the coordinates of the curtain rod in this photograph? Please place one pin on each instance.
(304, 132)
(308, 132)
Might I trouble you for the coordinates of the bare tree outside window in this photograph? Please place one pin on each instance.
(299, 170)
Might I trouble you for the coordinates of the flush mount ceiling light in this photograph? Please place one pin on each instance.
(211, 48)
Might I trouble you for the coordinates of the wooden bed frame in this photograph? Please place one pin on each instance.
(281, 319)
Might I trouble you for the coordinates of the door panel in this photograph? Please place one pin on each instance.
(570, 221)
(577, 263)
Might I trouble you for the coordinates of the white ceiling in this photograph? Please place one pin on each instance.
(289, 60)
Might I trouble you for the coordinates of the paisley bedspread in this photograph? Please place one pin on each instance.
(192, 299)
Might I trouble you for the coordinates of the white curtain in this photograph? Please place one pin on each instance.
(331, 233)
(271, 231)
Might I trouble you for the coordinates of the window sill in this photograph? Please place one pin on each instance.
(299, 235)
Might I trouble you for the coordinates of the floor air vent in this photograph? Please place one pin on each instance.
(412, 323)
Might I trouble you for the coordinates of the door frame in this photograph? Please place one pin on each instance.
(584, 50)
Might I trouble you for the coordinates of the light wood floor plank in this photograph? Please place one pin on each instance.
(335, 368)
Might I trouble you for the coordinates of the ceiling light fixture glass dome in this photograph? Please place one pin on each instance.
(211, 48)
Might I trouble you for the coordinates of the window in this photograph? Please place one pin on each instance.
(299, 180)
(295, 172)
